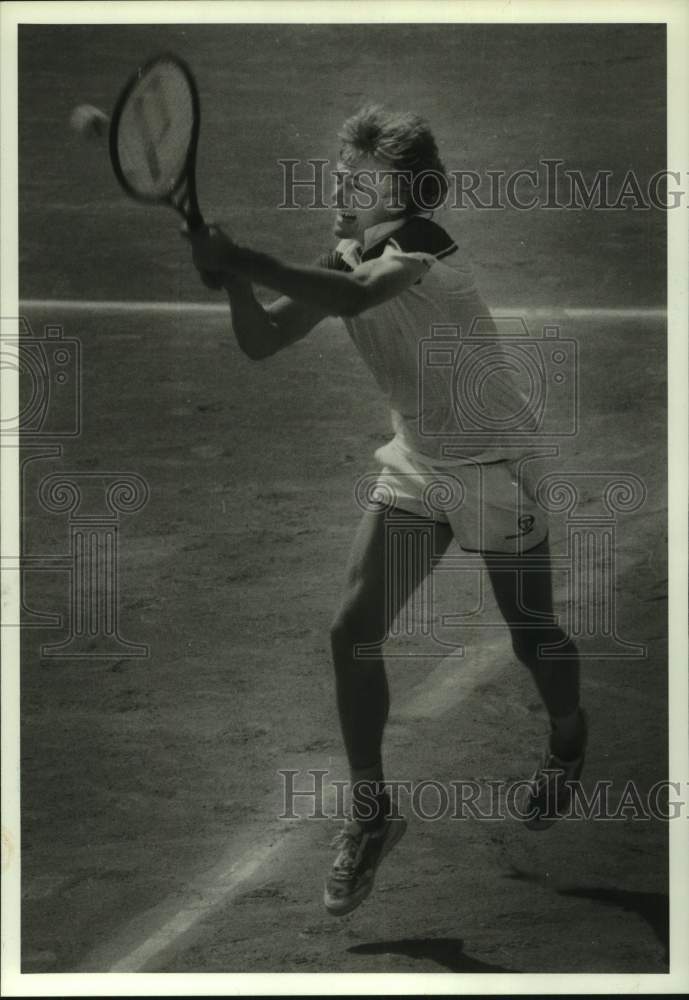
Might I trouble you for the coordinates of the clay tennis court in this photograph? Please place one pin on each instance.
(150, 784)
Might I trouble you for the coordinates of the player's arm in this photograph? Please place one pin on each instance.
(337, 293)
(263, 330)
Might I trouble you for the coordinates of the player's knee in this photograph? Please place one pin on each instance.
(531, 644)
(522, 645)
(352, 634)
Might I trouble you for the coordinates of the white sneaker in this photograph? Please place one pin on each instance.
(360, 853)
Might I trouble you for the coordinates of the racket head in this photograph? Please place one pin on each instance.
(154, 133)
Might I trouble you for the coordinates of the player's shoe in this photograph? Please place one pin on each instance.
(548, 795)
(360, 853)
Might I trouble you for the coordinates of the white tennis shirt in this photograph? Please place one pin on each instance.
(433, 350)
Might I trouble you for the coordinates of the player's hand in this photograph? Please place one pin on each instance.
(207, 245)
(211, 249)
(216, 282)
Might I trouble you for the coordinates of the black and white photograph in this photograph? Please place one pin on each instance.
(344, 452)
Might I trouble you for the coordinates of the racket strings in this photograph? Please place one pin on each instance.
(155, 132)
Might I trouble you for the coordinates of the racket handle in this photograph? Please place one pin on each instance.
(193, 216)
(195, 222)
(212, 279)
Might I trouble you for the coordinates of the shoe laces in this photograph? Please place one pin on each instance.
(553, 768)
(547, 770)
(349, 840)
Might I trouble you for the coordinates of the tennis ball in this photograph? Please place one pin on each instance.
(89, 122)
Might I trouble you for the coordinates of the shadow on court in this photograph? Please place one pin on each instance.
(447, 952)
(653, 907)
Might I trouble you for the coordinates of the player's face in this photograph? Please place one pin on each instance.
(365, 195)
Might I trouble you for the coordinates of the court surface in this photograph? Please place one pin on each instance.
(151, 785)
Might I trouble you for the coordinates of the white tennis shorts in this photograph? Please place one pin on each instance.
(491, 507)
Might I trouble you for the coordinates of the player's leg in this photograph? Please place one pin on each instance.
(376, 590)
(523, 589)
(522, 593)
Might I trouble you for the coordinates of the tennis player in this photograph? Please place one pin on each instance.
(394, 274)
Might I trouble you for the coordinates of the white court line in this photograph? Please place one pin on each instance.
(217, 308)
(455, 679)
(452, 681)
(166, 923)
(104, 305)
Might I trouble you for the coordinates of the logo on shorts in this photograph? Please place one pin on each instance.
(525, 524)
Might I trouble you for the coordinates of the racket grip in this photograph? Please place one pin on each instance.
(212, 279)
(194, 219)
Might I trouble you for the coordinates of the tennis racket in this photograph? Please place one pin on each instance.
(154, 134)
